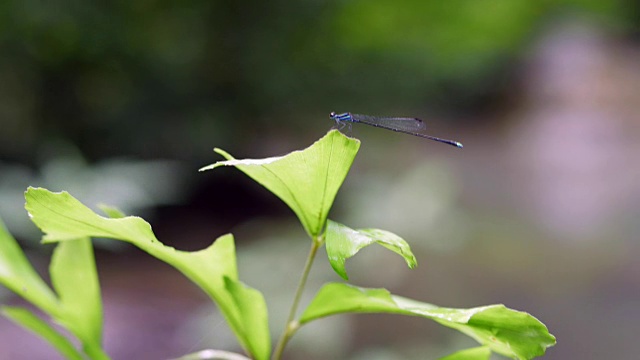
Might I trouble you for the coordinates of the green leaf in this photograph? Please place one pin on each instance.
(343, 242)
(306, 180)
(75, 278)
(17, 274)
(253, 312)
(28, 320)
(78, 308)
(61, 217)
(508, 332)
(477, 353)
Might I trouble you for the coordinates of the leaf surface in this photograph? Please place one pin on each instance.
(508, 332)
(306, 180)
(343, 242)
(63, 218)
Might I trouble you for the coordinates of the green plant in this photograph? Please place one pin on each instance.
(308, 182)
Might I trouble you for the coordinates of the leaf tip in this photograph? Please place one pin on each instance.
(338, 266)
(225, 154)
(336, 132)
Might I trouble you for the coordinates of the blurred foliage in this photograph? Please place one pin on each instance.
(168, 78)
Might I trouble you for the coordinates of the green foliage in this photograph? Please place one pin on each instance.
(77, 308)
(308, 182)
(63, 218)
(81, 306)
(507, 332)
(17, 274)
(477, 353)
(343, 243)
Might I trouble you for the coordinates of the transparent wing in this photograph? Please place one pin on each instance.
(402, 124)
(411, 126)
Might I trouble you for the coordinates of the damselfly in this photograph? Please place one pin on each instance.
(411, 126)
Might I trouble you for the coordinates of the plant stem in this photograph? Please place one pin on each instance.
(292, 325)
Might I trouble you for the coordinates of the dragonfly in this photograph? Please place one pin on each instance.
(406, 125)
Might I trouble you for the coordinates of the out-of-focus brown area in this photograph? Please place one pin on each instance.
(121, 103)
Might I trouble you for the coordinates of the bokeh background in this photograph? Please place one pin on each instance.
(121, 102)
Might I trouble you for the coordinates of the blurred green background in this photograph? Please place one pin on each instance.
(121, 102)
